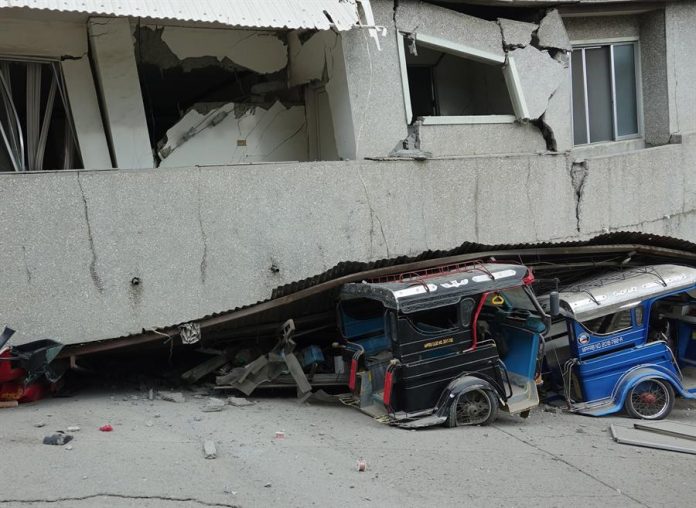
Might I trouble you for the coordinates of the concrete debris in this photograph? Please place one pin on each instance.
(280, 434)
(172, 396)
(552, 33)
(516, 34)
(190, 333)
(268, 485)
(69, 447)
(278, 133)
(532, 63)
(58, 439)
(40, 424)
(151, 394)
(209, 451)
(73, 428)
(239, 402)
(149, 423)
(214, 405)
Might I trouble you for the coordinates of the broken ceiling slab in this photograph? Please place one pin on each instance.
(540, 76)
(516, 34)
(310, 14)
(262, 52)
(235, 133)
(308, 59)
(461, 29)
(552, 33)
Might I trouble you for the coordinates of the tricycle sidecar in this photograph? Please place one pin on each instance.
(449, 346)
(625, 340)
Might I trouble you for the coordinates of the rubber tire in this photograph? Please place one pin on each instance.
(492, 401)
(670, 401)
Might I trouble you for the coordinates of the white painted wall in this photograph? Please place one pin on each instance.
(111, 43)
(224, 136)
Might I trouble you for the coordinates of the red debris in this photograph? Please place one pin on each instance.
(106, 428)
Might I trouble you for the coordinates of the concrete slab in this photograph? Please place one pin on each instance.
(540, 76)
(516, 34)
(541, 461)
(645, 439)
(552, 32)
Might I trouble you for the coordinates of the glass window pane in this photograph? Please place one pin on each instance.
(625, 84)
(598, 65)
(579, 118)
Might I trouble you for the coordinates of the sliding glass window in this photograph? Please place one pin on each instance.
(605, 92)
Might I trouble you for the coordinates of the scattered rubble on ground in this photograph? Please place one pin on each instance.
(209, 451)
(172, 396)
(214, 405)
(57, 439)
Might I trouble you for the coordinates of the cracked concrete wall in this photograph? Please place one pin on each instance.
(204, 239)
(680, 20)
(235, 133)
(378, 113)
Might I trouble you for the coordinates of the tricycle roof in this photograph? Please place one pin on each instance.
(414, 292)
(611, 292)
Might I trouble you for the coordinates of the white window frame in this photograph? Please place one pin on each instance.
(512, 81)
(583, 44)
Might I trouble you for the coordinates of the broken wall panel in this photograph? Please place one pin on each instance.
(235, 133)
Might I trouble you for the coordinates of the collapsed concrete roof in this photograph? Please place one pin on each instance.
(290, 14)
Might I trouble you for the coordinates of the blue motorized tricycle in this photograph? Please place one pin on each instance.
(624, 340)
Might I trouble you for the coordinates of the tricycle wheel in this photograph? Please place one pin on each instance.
(475, 407)
(651, 399)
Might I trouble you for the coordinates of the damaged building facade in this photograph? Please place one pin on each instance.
(161, 163)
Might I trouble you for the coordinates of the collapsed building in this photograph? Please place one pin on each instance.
(165, 162)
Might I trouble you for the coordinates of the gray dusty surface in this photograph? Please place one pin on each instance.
(154, 458)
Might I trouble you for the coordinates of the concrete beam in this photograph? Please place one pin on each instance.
(111, 44)
(86, 114)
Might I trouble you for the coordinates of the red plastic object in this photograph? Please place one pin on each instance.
(388, 379)
(21, 393)
(106, 428)
(353, 374)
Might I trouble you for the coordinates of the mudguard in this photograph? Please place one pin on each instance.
(457, 386)
(630, 379)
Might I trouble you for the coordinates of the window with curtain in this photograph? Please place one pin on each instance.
(36, 129)
(605, 92)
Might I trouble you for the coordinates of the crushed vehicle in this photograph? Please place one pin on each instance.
(624, 340)
(445, 346)
(27, 372)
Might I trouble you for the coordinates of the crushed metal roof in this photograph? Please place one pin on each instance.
(290, 14)
(317, 292)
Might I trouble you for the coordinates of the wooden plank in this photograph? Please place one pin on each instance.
(645, 439)
(673, 429)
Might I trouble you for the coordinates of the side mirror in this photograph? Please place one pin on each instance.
(554, 304)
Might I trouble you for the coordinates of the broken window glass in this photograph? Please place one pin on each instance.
(36, 129)
(605, 98)
(443, 84)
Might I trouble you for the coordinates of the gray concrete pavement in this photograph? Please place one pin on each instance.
(154, 458)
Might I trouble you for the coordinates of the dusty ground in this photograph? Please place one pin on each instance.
(154, 458)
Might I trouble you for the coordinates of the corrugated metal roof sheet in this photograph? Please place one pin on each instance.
(309, 14)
